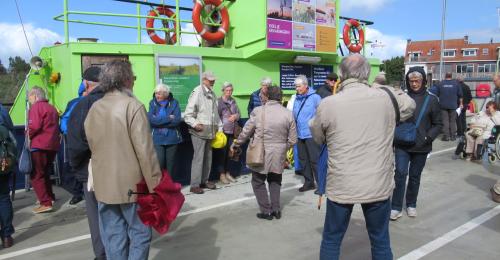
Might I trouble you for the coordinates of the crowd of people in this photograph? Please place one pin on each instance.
(343, 135)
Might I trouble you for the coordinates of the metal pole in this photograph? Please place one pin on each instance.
(442, 41)
(177, 22)
(138, 24)
(66, 29)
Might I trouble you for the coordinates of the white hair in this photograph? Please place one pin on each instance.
(226, 84)
(162, 88)
(266, 81)
(415, 74)
(38, 92)
(300, 79)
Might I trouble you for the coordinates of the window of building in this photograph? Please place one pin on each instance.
(449, 53)
(465, 68)
(486, 68)
(414, 56)
(486, 51)
(431, 52)
(470, 52)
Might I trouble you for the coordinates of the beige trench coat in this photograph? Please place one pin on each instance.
(279, 134)
(119, 137)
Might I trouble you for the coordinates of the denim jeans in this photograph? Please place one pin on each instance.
(6, 211)
(377, 223)
(410, 164)
(123, 234)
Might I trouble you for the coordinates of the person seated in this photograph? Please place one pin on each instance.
(480, 128)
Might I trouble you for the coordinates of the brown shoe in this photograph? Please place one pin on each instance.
(7, 242)
(42, 209)
(208, 185)
(495, 196)
(196, 190)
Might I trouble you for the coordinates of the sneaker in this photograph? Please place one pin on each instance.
(411, 212)
(395, 214)
(42, 209)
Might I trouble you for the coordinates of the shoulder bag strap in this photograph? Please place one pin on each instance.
(394, 104)
(263, 121)
(301, 106)
(422, 111)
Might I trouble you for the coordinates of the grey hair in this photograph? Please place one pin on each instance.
(266, 81)
(116, 75)
(226, 84)
(354, 66)
(415, 74)
(274, 93)
(300, 79)
(162, 88)
(380, 79)
(38, 92)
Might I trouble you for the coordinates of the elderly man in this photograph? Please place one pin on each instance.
(43, 130)
(450, 96)
(495, 191)
(259, 97)
(203, 118)
(123, 154)
(304, 109)
(327, 89)
(358, 127)
(79, 153)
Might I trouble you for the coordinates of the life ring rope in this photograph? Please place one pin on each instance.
(199, 21)
(353, 25)
(161, 10)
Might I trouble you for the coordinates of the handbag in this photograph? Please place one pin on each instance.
(406, 132)
(255, 150)
(25, 165)
(476, 132)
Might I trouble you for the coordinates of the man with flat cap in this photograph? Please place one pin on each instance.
(202, 116)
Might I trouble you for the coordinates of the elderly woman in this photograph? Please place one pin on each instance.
(164, 117)
(229, 114)
(480, 128)
(273, 125)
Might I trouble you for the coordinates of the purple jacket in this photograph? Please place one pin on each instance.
(227, 108)
(44, 126)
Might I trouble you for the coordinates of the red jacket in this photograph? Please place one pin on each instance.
(44, 126)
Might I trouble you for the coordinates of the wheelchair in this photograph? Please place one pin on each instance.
(491, 146)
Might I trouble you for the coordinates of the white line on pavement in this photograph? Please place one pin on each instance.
(441, 151)
(450, 236)
(44, 246)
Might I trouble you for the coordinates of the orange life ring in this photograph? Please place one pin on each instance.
(347, 40)
(151, 21)
(200, 28)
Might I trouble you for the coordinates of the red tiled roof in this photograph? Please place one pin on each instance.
(424, 47)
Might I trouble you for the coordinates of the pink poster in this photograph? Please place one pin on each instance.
(279, 34)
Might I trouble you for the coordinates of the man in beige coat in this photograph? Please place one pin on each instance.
(203, 118)
(123, 154)
(357, 124)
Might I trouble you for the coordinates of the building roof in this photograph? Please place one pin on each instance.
(430, 50)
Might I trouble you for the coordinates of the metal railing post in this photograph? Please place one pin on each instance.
(177, 23)
(138, 24)
(66, 29)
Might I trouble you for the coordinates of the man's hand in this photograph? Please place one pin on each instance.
(198, 127)
(171, 116)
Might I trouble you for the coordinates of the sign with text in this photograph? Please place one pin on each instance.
(316, 74)
(181, 74)
(305, 25)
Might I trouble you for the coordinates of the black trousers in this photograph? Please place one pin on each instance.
(308, 157)
(260, 191)
(461, 123)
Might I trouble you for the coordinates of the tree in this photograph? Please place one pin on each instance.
(3, 70)
(18, 66)
(394, 69)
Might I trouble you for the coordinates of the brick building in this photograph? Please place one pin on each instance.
(477, 63)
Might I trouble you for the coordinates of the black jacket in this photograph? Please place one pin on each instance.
(324, 91)
(78, 148)
(467, 95)
(430, 125)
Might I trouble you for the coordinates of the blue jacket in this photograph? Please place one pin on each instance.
(308, 111)
(165, 129)
(65, 116)
(254, 101)
(5, 119)
(449, 91)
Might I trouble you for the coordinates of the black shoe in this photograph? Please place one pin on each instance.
(306, 188)
(265, 216)
(75, 200)
(445, 138)
(208, 185)
(453, 138)
(7, 242)
(276, 214)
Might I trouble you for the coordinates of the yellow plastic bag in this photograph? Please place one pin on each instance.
(219, 141)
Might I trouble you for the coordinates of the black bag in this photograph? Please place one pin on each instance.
(8, 151)
(406, 132)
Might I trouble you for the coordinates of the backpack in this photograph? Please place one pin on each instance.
(8, 151)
